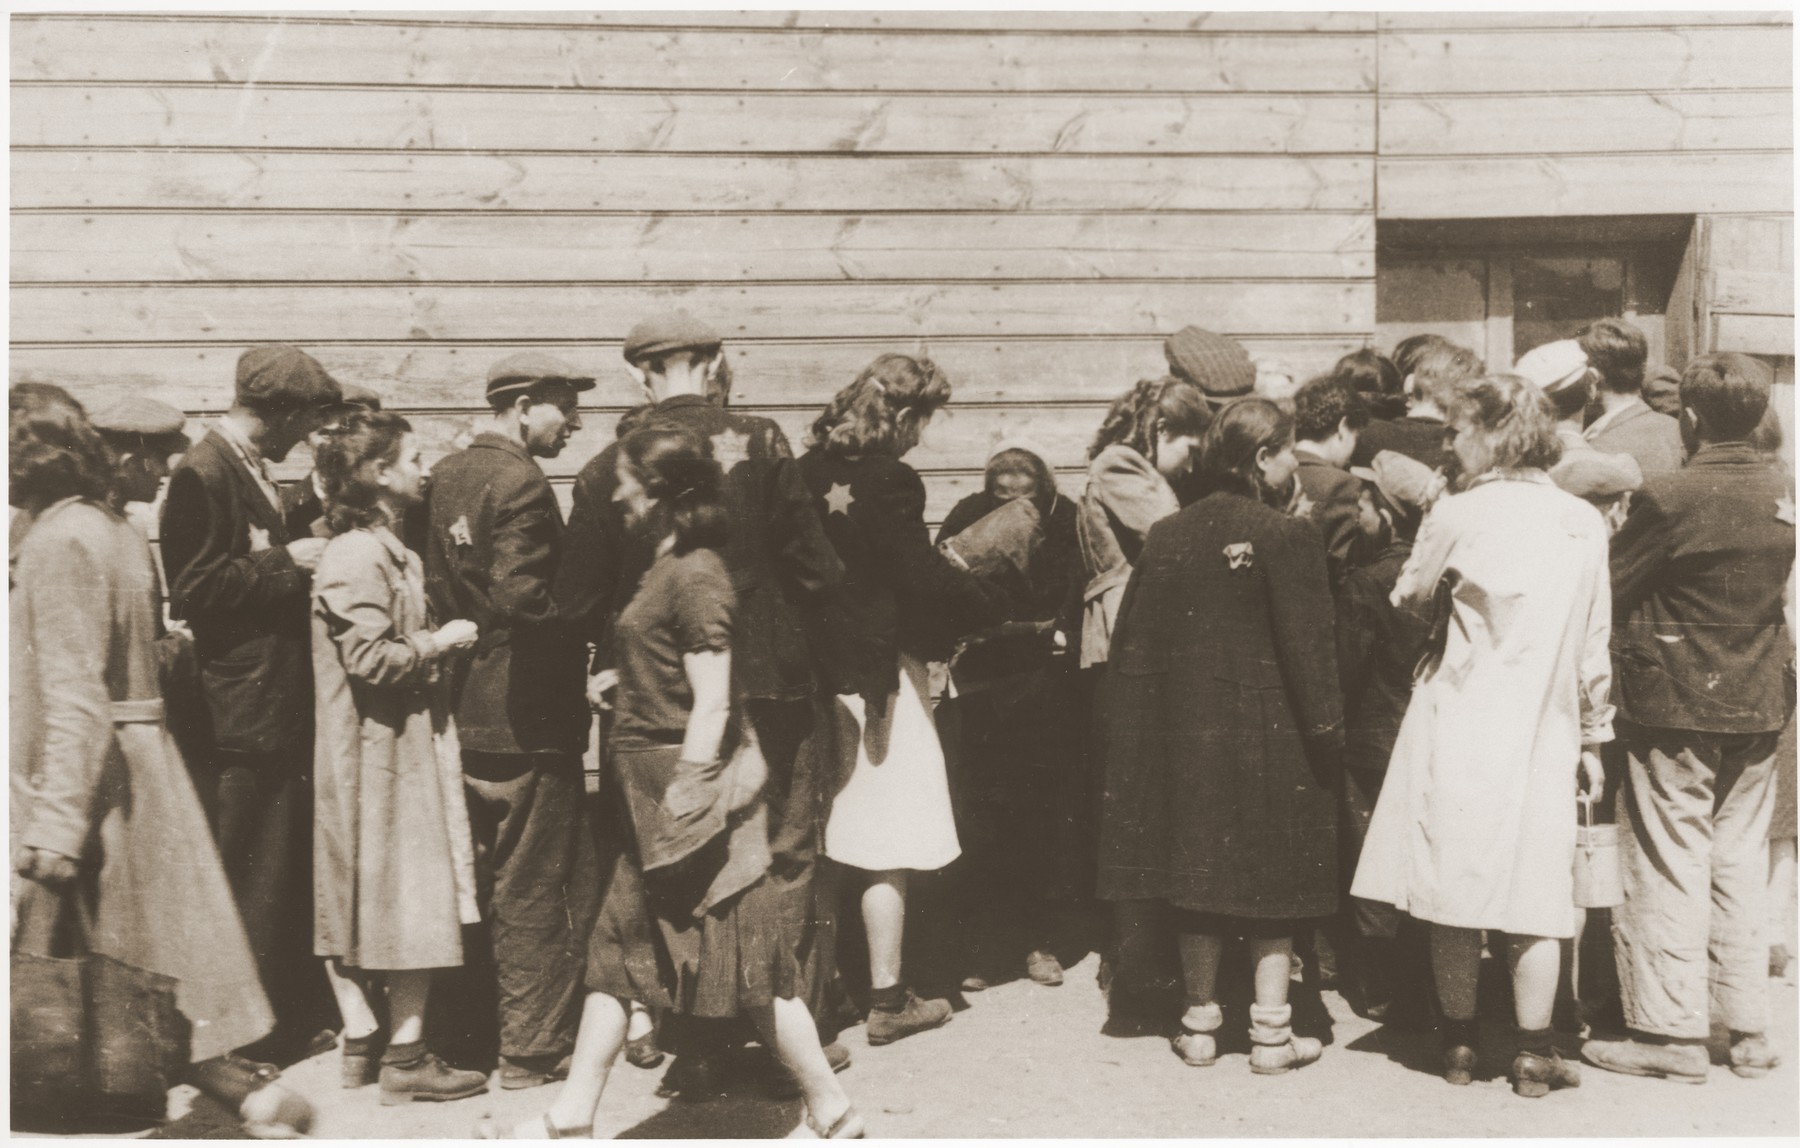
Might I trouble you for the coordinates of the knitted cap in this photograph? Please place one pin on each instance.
(667, 333)
(1217, 365)
(283, 376)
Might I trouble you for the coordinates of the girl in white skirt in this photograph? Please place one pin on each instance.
(904, 604)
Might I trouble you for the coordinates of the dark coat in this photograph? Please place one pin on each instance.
(782, 566)
(1379, 646)
(1650, 437)
(1420, 439)
(900, 594)
(1223, 717)
(1699, 569)
(1333, 494)
(231, 579)
(495, 542)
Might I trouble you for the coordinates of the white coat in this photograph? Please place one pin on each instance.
(1475, 826)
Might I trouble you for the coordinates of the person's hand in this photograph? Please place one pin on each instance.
(599, 686)
(456, 634)
(306, 552)
(44, 866)
(1589, 775)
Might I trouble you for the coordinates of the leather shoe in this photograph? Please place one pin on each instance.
(1684, 1062)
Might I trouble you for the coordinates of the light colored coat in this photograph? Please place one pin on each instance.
(1475, 826)
(1125, 497)
(393, 865)
(96, 777)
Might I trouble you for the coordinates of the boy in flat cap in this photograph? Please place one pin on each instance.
(782, 564)
(241, 582)
(494, 541)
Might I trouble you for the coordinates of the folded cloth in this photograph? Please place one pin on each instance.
(1008, 537)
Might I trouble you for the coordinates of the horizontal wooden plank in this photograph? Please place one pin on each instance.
(537, 248)
(655, 183)
(1586, 185)
(1741, 292)
(1754, 334)
(1575, 20)
(449, 377)
(713, 59)
(1613, 59)
(916, 20)
(578, 121)
(305, 313)
(930, 21)
(1612, 122)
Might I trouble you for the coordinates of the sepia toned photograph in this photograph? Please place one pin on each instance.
(1036, 572)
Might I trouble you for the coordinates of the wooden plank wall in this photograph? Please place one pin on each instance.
(1035, 200)
(1609, 113)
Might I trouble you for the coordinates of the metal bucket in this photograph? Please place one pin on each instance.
(1599, 883)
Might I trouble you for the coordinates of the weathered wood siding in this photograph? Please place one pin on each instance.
(1606, 113)
(1035, 200)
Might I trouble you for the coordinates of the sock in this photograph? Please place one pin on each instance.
(362, 1045)
(1459, 1032)
(1537, 1041)
(890, 999)
(404, 1055)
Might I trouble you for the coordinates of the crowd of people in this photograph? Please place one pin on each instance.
(1308, 684)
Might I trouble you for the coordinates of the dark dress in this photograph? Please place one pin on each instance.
(1224, 719)
(1013, 736)
(690, 922)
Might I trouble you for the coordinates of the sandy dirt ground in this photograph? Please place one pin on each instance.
(1028, 1061)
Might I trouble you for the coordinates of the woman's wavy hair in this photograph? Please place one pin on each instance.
(865, 417)
(1175, 406)
(53, 451)
(677, 469)
(1228, 452)
(346, 462)
(1514, 421)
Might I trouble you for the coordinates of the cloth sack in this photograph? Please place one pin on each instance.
(91, 1035)
(1007, 538)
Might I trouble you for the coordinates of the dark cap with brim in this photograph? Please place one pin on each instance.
(139, 416)
(1219, 366)
(528, 368)
(284, 377)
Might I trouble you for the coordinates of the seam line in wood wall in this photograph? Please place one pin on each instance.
(560, 284)
(604, 89)
(273, 149)
(490, 212)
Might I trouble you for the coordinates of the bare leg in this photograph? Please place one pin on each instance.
(1536, 968)
(1274, 965)
(1455, 966)
(407, 992)
(788, 1027)
(597, 1045)
(884, 919)
(353, 990)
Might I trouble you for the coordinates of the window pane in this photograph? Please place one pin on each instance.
(1554, 297)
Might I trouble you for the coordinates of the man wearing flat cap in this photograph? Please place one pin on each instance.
(241, 582)
(783, 566)
(494, 541)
